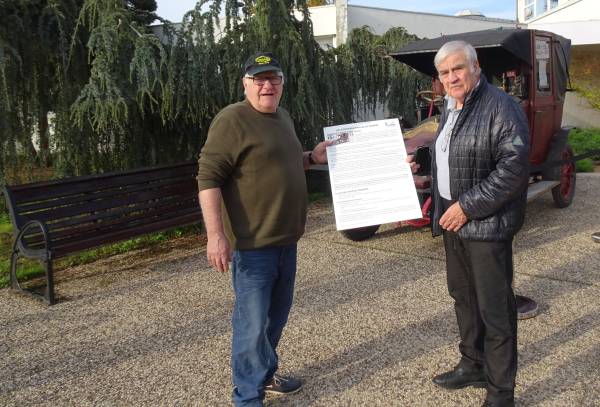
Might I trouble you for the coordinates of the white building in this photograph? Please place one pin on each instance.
(578, 20)
(332, 23)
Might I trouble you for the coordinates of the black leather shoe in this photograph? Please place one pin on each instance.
(508, 403)
(461, 377)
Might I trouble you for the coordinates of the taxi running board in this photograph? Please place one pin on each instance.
(538, 188)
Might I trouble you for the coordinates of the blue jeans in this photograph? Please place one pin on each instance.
(263, 281)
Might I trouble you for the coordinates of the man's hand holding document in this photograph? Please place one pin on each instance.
(371, 182)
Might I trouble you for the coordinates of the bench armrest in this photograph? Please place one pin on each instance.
(22, 245)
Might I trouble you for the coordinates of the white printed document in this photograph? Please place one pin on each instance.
(371, 182)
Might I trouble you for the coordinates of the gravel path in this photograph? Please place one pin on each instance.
(371, 324)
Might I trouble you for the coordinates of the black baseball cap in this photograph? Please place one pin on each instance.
(261, 62)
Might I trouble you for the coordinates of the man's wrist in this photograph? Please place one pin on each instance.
(215, 234)
(311, 161)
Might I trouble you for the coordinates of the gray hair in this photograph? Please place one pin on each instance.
(454, 47)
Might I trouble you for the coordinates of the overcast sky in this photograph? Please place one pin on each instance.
(174, 9)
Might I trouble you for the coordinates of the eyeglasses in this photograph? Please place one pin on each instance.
(261, 80)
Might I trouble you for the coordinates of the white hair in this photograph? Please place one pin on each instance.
(454, 47)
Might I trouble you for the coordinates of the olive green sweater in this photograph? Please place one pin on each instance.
(256, 160)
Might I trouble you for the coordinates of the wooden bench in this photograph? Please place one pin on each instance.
(57, 218)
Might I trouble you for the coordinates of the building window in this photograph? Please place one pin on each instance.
(535, 8)
(529, 9)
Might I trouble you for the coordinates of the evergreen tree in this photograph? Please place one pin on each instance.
(124, 98)
(36, 75)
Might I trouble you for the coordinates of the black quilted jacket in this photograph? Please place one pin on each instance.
(489, 166)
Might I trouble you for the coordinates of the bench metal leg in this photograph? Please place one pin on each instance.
(48, 291)
(43, 255)
(49, 295)
(14, 283)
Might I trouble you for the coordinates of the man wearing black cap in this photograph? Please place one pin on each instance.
(254, 199)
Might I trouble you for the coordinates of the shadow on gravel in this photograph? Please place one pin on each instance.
(537, 351)
(569, 376)
(545, 223)
(347, 369)
(341, 285)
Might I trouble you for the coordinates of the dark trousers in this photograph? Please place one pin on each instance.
(480, 282)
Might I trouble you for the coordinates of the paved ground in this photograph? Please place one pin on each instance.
(372, 322)
(579, 112)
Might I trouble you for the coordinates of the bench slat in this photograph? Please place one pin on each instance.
(128, 201)
(78, 185)
(125, 234)
(127, 211)
(100, 194)
(76, 227)
(92, 236)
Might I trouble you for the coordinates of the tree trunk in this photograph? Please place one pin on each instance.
(31, 149)
(44, 153)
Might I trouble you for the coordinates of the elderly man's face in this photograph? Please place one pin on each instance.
(458, 76)
(264, 91)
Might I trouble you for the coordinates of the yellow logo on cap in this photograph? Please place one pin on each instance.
(262, 60)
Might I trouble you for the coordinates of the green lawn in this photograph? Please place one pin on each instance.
(583, 140)
(5, 226)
